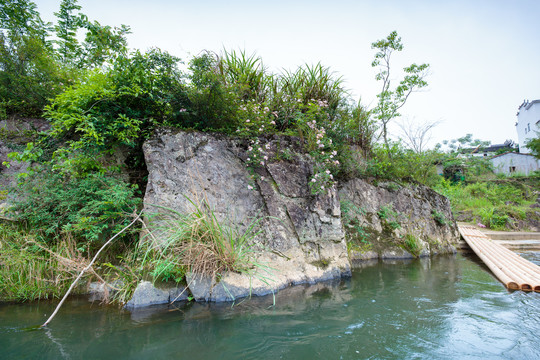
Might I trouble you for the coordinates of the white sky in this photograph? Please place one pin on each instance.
(484, 54)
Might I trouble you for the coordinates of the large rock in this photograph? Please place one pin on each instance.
(298, 230)
(389, 217)
(301, 237)
(14, 134)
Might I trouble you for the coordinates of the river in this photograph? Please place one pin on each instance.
(447, 307)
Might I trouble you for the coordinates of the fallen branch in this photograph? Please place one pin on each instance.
(88, 267)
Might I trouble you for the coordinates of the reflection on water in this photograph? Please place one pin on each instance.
(443, 308)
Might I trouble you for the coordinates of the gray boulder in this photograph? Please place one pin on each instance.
(147, 294)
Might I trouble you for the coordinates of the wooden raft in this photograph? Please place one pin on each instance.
(515, 272)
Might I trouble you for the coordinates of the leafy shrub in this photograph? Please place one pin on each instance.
(357, 233)
(90, 208)
(398, 163)
(389, 217)
(119, 107)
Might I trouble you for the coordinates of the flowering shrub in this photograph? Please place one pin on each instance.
(254, 119)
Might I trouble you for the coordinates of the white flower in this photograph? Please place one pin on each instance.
(250, 187)
(247, 120)
(262, 178)
(313, 180)
(265, 157)
(267, 146)
(250, 148)
(328, 171)
(248, 159)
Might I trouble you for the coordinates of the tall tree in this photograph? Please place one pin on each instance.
(66, 28)
(28, 72)
(391, 100)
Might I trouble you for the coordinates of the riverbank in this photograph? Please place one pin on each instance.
(445, 307)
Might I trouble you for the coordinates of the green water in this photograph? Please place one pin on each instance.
(443, 308)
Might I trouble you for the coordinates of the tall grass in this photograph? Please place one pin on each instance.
(314, 82)
(495, 205)
(30, 270)
(246, 72)
(196, 243)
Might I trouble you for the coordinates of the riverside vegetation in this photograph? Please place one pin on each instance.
(103, 100)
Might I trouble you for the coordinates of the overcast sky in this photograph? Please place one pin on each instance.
(484, 54)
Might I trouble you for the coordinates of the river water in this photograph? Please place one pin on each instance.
(440, 308)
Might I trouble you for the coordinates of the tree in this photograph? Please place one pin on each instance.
(29, 75)
(534, 145)
(416, 136)
(390, 101)
(66, 30)
(102, 43)
(465, 142)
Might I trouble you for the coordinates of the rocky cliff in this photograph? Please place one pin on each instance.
(303, 237)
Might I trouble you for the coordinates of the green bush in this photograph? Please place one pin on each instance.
(399, 163)
(118, 108)
(91, 209)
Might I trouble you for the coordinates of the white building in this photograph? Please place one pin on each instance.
(528, 123)
(515, 163)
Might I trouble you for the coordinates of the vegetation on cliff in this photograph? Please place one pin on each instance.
(104, 100)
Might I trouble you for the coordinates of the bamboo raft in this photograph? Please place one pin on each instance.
(515, 272)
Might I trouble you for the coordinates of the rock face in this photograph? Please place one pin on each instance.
(301, 237)
(392, 221)
(14, 134)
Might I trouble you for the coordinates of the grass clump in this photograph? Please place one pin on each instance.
(195, 243)
(439, 217)
(412, 244)
(30, 270)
